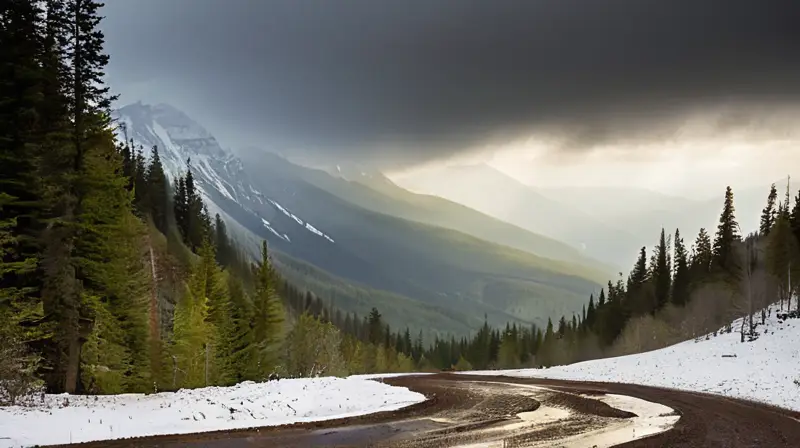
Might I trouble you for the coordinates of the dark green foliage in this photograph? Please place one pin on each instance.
(724, 258)
(702, 256)
(662, 273)
(157, 189)
(768, 214)
(682, 279)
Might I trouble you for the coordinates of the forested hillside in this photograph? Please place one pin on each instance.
(113, 280)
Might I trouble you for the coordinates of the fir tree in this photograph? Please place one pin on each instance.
(727, 236)
(268, 317)
(768, 213)
(157, 189)
(590, 313)
(375, 324)
(662, 274)
(682, 279)
(181, 209)
(702, 256)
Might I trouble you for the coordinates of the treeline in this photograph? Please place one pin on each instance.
(674, 294)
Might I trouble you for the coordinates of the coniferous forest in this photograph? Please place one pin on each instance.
(115, 279)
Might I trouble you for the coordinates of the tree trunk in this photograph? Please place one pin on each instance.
(741, 331)
(73, 363)
(155, 322)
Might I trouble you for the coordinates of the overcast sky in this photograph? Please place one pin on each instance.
(591, 91)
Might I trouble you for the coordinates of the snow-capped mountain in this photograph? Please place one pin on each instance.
(220, 175)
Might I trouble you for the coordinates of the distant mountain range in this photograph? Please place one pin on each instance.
(609, 223)
(492, 192)
(362, 241)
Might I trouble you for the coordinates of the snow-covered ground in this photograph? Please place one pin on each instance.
(763, 370)
(71, 419)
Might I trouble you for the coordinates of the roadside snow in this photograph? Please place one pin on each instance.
(763, 370)
(72, 419)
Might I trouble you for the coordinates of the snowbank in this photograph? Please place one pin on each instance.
(89, 418)
(763, 370)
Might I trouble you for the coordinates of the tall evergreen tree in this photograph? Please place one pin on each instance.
(157, 190)
(181, 209)
(662, 274)
(682, 279)
(70, 276)
(702, 256)
(769, 212)
(727, 236)
(268, 317)
(375, 323)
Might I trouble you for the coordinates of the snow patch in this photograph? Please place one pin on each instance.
(269, 227)
(246, 405)
(286, 212)
(211, 175)
(314, 230)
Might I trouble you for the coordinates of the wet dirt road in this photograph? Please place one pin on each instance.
(512, 412)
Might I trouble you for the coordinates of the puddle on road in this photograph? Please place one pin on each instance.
(652, 418)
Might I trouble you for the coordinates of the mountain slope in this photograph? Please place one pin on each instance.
(445, 269)
(487, 190)
(374, 191)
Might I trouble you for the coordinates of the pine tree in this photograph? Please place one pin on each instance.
(268, 317)
(682, 279)
(590, 313)
(640, 273)
(222, 242)
(662, 274)
(727, 236)
(79, 136)
(197, 221)
(241, 340)
(768, 213)
(375, 324)
(702, 256)
(157, 189)
(191, 331)
(181, 209)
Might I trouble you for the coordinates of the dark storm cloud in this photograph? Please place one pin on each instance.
(413, 80)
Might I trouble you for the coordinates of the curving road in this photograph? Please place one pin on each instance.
(513, 412)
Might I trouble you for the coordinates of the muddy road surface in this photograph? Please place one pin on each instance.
(504, 412)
